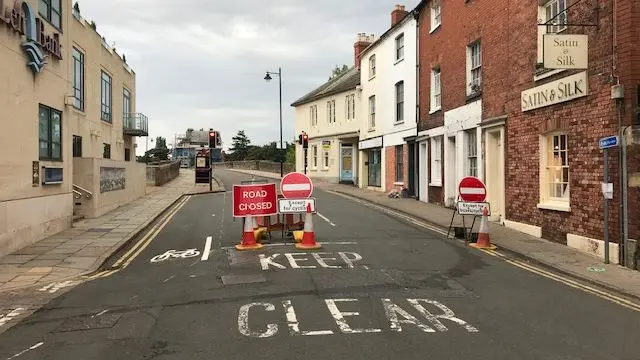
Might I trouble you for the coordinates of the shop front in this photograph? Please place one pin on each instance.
(372, 159)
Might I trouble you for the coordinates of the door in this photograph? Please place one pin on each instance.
(412, 169)
(346, 164)
(375, 167)
(495, 173)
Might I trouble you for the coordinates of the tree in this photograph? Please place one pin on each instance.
(240, 146)
(290, 157)
(337, 71)
(158, 153)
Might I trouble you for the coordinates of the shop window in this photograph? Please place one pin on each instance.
(374, 168)
(554, 184)
(50, 133)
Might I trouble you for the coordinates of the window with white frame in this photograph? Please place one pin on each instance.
(372, 112)
(353, 106)
(372, 66)
(436, 15)
(400, 47)
(400, 101)
(331, 111)
(326, 158)
(314, 161)
(350, 106)
(554, 14)
(472, 153)
(313, 115)
(436, 98)
(555, 166)
(436, 161)
(474, 66)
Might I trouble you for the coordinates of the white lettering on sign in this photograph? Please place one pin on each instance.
(295, 259)
(253, 194)
(243, 321)
(255, 206)
(393, 312)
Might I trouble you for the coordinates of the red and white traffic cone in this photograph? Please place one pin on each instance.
(248, 236)
(483, 233)
(308, 237)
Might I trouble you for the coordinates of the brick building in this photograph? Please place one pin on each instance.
(489, 108)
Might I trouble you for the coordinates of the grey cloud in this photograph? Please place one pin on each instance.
(201, 63)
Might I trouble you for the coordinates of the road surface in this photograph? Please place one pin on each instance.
(379, 288)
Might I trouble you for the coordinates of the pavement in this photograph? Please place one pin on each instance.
(381, 287)
(553, 255)
(88, 243)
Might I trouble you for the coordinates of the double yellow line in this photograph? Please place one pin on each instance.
(151, 234)
(523, 265)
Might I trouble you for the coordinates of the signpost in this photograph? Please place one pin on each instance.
(254, 200)
(296, 185)
(472, 194)
(607, 188)
(203, 169)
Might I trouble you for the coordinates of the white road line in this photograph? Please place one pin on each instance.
(326, 219)
(100, 313)
(24, 351)
(169, 278)
(207, 249)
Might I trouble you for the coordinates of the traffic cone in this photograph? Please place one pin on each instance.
(483, 233)
(248, 236)
(308, 237)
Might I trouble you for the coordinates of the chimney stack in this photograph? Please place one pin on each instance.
(397, 14)
(362, 42)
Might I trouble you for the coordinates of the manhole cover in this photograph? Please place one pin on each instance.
(596, 269)
(242, 279)
(89, 323)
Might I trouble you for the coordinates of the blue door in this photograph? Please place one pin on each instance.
(346, 164)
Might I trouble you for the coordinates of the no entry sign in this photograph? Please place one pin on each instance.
(471, 189)
(255, 200)
(296, 185)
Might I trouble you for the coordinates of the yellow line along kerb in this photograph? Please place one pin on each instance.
(536, 270)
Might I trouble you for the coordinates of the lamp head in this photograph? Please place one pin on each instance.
(267, 77)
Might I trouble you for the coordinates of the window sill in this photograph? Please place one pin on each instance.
(50, 160)
(435, 184)
(397, 61)
(107, 121)
(78, 110)
(398, 123)
(433, 111)
(471, 97)
(372, 77)
(555, 206)
(546, 74)
(371, 130)
(435, 28)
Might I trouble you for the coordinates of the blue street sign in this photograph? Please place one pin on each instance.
(608, 142)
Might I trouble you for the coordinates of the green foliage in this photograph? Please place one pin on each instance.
(338, 70)
(158, 153)
(239, 146)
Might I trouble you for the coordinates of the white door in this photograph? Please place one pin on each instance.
(495, 173)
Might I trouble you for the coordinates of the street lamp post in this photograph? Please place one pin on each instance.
(268, 78)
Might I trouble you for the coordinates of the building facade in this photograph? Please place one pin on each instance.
(330, 115)
(389, 94)
(51, 100)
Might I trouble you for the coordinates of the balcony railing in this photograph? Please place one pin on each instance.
(135, 124)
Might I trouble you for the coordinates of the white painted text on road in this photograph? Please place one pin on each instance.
(340, 260)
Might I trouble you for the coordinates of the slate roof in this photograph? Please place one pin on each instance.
(344, 82)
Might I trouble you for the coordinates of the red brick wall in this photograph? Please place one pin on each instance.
(585, 120)
(390, 167)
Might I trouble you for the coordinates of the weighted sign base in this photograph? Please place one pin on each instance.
(483, 247)
(302, 246)
(255, 246)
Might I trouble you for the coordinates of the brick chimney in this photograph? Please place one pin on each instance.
(397, 14)
(362, 41)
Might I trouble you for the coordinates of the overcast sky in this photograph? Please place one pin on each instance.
(201, 63)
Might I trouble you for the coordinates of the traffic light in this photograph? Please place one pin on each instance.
(212, 139)
(305, 141)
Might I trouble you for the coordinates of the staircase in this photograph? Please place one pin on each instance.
(80, 195)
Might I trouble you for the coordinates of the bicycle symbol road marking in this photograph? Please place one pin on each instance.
(175, 254)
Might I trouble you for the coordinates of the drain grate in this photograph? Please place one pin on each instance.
(89, 323)
(243, 279)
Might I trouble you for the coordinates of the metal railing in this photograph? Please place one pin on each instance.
(78, 190)
(136, 124)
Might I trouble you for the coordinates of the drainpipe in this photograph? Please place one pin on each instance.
(416, 149)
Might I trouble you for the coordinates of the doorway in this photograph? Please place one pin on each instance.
(346, 164)
(411, 184)
(450, 174)
(494, 139)
(375, 168)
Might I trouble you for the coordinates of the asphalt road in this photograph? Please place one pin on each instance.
(379, 288)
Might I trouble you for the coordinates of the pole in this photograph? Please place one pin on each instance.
(621, 237)
(281, 147)
(606, 208)
(305, 161)
(625, 204)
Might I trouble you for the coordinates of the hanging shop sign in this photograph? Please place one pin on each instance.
(566, 51)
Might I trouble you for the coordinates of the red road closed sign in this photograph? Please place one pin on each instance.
(472, 189)
(254, 200)
(296, 185)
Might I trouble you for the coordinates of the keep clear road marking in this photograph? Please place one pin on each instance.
(525, 266)
(326, 219)
(348, 258)
(207, 249)
(12, 314)
(395, 314)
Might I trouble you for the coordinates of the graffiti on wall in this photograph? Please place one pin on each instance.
(112, 179)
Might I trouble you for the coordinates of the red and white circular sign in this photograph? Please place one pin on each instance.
(296, 185)
(472, 189)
